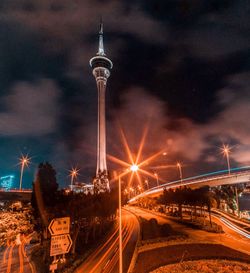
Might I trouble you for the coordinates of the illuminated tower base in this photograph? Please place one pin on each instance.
(101, 66)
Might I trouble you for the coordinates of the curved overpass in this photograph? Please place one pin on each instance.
(238, 175)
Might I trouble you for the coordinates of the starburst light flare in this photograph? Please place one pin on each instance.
(135, 165)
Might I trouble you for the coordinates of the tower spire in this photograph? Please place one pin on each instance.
(101, 46)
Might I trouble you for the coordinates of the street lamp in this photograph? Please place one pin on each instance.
(73, 174)
(157, 178)
(226, 150)
(120, 225)
(133, 168)
(24, 161)
(180, 170)
(146, 181)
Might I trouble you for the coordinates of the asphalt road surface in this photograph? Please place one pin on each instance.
(229, 238)
(105, 259)
(13, 258)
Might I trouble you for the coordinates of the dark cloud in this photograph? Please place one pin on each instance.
(188, 140)
(31, 109)
(180, 67)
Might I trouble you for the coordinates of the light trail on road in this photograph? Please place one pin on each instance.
(20, 258)
(15, 259)
(110, 265)
(10, 258)
(231, 218)
(231, 238)
(233, 227)
(105, 258)
(108, 252)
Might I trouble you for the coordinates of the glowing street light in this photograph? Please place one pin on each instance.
(157, 178)
(24, 161)
(226, 150)
(180, 170)
(73, 174)
(134, 168)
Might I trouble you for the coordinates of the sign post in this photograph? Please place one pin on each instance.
(61, 242)
(53, 267)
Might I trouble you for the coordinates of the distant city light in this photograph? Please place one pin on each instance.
(6, 182)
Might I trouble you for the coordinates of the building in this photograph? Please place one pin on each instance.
(7, 182)
(80, 187)
(101, 66)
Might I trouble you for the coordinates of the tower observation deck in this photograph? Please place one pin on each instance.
(101, 66)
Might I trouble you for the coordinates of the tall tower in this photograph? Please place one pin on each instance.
(101, 66)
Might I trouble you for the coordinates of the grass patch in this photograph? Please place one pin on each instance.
(205, 266)
(200, 223)
(155, 258)
(151, 229)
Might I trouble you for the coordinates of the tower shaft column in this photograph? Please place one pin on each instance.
(101, 128)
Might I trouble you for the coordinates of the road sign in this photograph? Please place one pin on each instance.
(60, 244)
(59, 226)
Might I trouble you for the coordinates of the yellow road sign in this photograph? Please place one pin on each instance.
(60, 244)
(59, 226)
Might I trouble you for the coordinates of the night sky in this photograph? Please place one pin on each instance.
(181, 69)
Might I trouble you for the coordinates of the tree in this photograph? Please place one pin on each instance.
(90, 214)
(44, 196)
(179, 199)
(46, 175)
(201, 197)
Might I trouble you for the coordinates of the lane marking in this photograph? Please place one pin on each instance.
(115, 257)
(20, 258)
(105, 255)
(235, 228)
(10, 258)
(26, 256)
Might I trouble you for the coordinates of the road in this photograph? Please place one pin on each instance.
(242, 176)
(230, 238)
(13, 258)
(105, 259)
